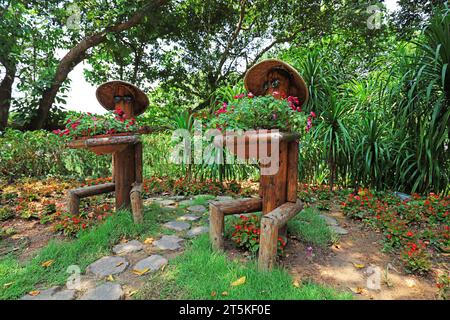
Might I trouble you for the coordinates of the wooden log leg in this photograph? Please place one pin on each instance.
(292, 171)
(73, 203)
(137, 206)
(267, 244)
(216, 227)
(124, 175)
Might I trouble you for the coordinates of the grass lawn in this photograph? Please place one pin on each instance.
(17, 279)
(195, 274)
(203, 274)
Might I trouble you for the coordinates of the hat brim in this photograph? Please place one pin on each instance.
(256, 76)
(105, 95)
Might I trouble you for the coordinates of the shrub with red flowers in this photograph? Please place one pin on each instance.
(245, 232)
(443, 285)
(418, 227)
(248, 112)
(91, 125)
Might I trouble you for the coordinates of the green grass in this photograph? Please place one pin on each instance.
(200, 200)
(200, 271)
(89, 246)
(309, 227)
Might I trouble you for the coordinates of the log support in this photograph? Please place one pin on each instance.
(75, 195)
(271, 224)
(137, 206)
(219, 209)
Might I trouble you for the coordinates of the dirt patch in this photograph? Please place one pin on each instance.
(357, 264)
(29, 237)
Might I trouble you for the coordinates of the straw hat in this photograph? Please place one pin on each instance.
(256, 76)
(105, 95)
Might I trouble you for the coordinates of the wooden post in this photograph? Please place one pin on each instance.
(136, 203)
(73, 203)
(124, 175)
(216, 227)
(270, 225)
(292, 171)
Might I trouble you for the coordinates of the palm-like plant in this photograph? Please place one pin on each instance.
(425, 112)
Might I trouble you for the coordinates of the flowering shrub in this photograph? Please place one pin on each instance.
(245, 233)
(443, 285)
(247, 112)
(91, 125)
(417, 227)
(184, 186)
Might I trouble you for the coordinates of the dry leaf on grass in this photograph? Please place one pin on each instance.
(359, 265)
(132, 293)
(7, 285)
(141, 272)
(47, 263)
(34, 293)
(296, 284)
(213, 294)
(149, 241)
(223, 294)
(238, 282)
(359, 290)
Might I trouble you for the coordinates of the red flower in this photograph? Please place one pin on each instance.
(313, 114)
(409, 234)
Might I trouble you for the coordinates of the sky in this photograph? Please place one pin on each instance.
(81, 96)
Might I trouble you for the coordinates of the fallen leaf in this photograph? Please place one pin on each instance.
(119, 264)
(141, 272)
(34, 293)
(163, 267)
(337, 246)
(124, 240)
(132, 293)
(359, 266)
(149, 241)
(7, 285)
(238, 282)
(359, 290)
(296, 284)
(110, 278)
(213, 294)
(224, 294)
(47, 263)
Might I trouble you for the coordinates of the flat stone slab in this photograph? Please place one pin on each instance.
(154, 262)
(107, 266)
(224, 198)
(106, 291)
(177, 225)
(197, 231)
(128, 247)
(54, 293)
(189, 217)
(168, 243)
(339, 230)
(197, 209)
(329, 220)
(177, 198)
(167, 203)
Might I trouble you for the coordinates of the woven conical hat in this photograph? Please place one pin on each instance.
(256, 76)
(105, 95)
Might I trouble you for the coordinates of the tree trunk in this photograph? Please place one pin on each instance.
(5, 94)
(77, 54)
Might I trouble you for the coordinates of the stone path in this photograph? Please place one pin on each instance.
(121, 274)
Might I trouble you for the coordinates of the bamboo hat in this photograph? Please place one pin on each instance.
(105, 95)
(256, 76)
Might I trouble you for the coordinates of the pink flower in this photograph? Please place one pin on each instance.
(239, 96)
(250, 95)
(274, 116)
(313, 114)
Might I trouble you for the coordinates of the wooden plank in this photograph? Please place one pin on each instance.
(94, 190)
(238, 206)
(292, 172)
(137, 206)
(216, 227)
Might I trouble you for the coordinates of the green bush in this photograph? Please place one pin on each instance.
(41, 154)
